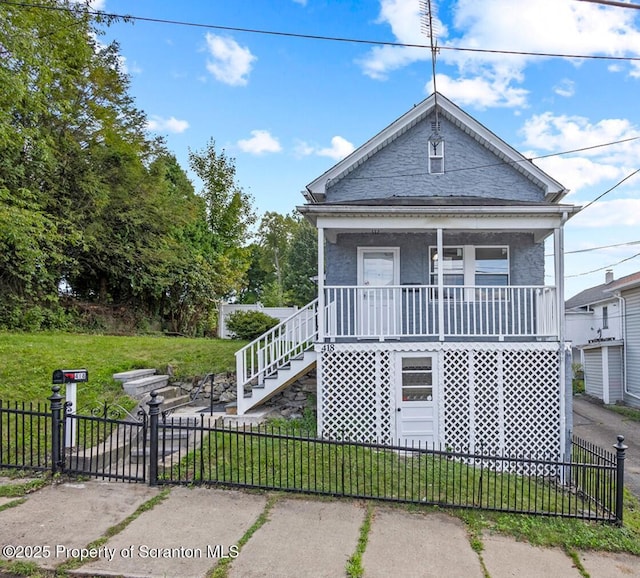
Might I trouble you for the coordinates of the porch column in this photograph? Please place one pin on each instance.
(566, 399)
(440, 286)
(321, 308)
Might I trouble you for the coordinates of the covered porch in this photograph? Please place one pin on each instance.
(439, 269)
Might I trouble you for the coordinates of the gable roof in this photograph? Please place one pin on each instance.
(554, 191)
(603, 292)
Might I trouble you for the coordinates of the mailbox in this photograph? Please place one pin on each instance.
(62, 376)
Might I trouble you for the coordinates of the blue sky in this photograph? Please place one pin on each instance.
(286, 109)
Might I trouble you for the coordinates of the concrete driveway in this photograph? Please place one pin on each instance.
(595, 423)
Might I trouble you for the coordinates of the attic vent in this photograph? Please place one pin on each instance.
(435, 126)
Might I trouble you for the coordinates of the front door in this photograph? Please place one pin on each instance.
(378, 273)
(416, 399)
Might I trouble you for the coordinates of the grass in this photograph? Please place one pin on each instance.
(257, 458)
(628, 412)
(355, 569)
(29, 360)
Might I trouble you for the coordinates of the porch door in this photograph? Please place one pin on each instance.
(378, 272)
(416, 398)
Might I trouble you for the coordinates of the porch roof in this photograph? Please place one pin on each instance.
(413, 214)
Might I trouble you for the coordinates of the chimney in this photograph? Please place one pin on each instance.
(608, 276)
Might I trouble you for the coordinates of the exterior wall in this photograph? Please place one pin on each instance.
(489, 394)
(576, 326)
(616, 374)
(593, 373)
(526, 257)
(632, 345)
(407, 157)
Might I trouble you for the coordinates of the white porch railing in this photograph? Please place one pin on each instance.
(463, 311)
(274, 349)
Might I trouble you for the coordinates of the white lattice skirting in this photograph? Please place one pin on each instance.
(498, 396)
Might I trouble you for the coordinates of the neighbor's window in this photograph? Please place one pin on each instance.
(605, 317)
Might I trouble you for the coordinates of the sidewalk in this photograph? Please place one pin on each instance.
(192, 530)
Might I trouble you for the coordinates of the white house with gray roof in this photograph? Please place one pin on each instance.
(603, 325)
(433, 323)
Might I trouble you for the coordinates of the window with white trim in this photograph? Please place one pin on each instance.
(436, 157)
(483, 266)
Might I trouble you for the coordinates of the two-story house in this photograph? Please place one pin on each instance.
(433, 323)
(603, 325)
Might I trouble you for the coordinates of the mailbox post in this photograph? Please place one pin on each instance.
(69, 378)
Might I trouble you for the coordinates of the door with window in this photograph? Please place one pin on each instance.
(378, 278)
(416, 399)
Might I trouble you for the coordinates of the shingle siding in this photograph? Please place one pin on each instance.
(526, 257)
(401, 168)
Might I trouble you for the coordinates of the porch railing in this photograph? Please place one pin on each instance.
(456, 311)
(278, 346)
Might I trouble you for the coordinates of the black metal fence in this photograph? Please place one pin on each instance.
(164, 450)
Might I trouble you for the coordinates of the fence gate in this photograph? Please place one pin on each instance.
(110, 444)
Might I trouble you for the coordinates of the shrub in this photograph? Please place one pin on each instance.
(249, 324)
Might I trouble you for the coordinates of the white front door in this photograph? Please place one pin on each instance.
(416, 398)
(378, 273)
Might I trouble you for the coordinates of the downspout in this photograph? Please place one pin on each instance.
(623, 308)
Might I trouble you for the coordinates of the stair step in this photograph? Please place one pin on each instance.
(232, 408)
(167, 393)
(133, 374)
(138, 387)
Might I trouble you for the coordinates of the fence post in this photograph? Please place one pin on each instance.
(620, 457)
(154, 411)
(56, 420)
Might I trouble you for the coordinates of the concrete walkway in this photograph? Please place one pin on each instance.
(595, 423)
(190, 531)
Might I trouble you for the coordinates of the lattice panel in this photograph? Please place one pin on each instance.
(487, 418)
(502, 400)
(357, 395)
(456, 399)
(532, 402)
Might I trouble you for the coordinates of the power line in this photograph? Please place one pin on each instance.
(603, 268)
(596, 248)
(130, 17)
(611, 189)
(612, 3)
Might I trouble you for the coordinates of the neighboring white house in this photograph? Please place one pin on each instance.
(593, 322)
(433, 322)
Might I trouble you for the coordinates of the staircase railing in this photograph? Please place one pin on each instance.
(275, 348)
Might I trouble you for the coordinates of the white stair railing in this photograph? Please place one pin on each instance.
(277, 347)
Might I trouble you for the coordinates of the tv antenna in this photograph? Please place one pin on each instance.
(429, 27)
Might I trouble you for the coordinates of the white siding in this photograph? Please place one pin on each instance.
(615, 374)
(593, 372)
(632, 344)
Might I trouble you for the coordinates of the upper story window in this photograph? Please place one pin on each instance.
(492, 266)
(605, 317)
(436, 155)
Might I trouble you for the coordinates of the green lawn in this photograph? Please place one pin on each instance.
(29, 359)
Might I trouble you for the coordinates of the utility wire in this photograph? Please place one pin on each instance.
(129, 17)
(611, 189)
(612, 3)
(603, 268)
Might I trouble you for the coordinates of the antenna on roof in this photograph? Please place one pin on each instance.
(429, 27)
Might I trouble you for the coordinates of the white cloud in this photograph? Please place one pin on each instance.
(563, 133)
(481, 92)
(615, 213)
(565, 88)
(260, 142)
(231, 62)
(171, 124)
(340, 148)
(549, 26)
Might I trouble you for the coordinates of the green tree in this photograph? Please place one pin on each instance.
(301, 266)
(229, 215)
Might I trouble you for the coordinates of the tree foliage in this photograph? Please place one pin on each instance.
(89, 203)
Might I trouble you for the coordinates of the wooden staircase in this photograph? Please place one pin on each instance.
(276, 359)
